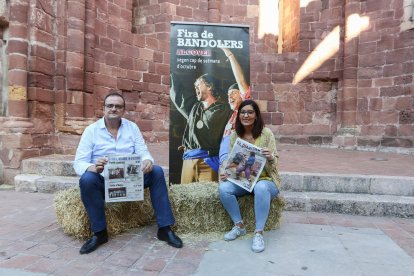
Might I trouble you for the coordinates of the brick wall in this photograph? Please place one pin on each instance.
(65, 55)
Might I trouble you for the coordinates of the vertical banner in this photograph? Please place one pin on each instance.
(210, 76)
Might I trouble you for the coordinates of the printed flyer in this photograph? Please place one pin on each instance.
(124, 180)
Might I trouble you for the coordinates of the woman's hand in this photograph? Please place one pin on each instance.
(222, 174)
(268, 154)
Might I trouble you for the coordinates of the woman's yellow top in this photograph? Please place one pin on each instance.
(265, 140)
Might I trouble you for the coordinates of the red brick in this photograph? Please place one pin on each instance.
(162, 27)
(19, 13)
(112, 59)
(76, 9)
(75, 41)
(390, 131)
(126, 36)
(39, 94)
(46, 6)
(105, 44)
(113, 33)
(75, 77)
(372, 59)
(184, 12)
(384, 117)
(407, 79)
(395, 91)
(44, 37)
(385, 43)
(400, 55)
(406, 130)
(18, 108)
(126, 63)
(362, 105)
(105, 80)
(40, 80)
(369, 73)
(372, 130)
(364, 83)
(18, 31)
(44, 22)
(146, 54)
(124, 84)
(43, 52)
(392, 70)
(388, 104)
(102, 29)
(348, 118)
(404, 103)
(375, 104)
(74, 110)
(151, 78)
(41, 65)
(18, 46)
(147, 97)
(380, 82)
(17, 62)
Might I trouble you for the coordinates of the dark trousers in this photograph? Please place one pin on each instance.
(92, 188)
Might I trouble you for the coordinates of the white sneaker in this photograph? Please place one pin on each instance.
(258, 243)
(234, 233)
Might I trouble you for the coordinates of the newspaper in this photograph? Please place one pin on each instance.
(245, 164)
(124, 180)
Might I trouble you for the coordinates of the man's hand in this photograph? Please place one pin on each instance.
(146, 166)
(99, 165)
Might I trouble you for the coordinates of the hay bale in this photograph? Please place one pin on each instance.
(196, 206)
(120, 216)
(197, 209)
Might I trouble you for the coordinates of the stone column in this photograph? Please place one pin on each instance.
(18, 58)
(347, 100)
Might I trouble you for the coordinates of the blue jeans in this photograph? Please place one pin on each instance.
(263, 191)
(92, 189)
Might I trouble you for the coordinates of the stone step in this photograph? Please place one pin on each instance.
(54, 164)
(347, 183)
(44, 183)
(348, 203)
(50, 183)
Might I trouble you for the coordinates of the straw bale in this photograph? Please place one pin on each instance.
(196, 206)
(198, 209)
(120, 216)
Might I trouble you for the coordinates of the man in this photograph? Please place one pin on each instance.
(237, 93)
(206, 119)
(113, 134)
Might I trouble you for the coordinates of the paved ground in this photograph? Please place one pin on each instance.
(32, 243)
(307, 159)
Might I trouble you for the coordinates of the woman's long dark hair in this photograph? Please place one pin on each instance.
(258, 124)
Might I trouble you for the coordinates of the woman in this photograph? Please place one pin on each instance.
(250, 127)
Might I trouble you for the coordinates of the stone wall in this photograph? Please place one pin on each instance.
(343, 75)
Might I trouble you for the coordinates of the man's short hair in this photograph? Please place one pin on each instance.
(212, 83)
(115, 93)
(234, 86)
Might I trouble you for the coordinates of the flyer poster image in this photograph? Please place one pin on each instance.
(203, 55)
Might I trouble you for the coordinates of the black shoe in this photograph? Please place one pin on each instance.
(94, 242)
(170, 237)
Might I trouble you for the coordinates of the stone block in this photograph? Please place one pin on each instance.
(26, 182)
(61, 165)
